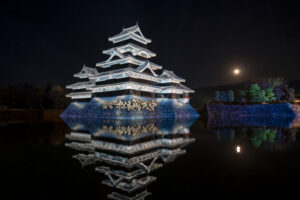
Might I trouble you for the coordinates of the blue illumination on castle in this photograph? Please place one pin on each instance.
(128, 85)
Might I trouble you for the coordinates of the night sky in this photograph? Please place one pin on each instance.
(200, 41)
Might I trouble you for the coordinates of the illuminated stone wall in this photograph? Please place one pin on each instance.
(130, 106)
(273, 115)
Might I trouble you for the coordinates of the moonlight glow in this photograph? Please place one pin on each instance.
(238, 149)
(236, 71)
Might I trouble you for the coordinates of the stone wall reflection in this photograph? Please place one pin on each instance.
(274, 132)
(126, 152)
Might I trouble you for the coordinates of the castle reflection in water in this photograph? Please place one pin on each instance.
(127, 151)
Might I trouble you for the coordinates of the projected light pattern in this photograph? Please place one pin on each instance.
(95, 109)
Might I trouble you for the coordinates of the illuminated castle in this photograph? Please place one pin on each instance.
(127, 84)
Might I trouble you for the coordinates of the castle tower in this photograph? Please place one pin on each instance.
(128, 80)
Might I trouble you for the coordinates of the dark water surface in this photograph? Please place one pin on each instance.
(36, 164)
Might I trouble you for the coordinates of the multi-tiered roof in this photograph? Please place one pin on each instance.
(128, 71)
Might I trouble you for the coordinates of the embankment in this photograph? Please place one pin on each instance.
(281, 115)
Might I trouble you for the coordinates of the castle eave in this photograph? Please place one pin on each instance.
(79, 95)
(127, 36)
(133, 48)
(140, 87)
(81, 85)
(133, 73)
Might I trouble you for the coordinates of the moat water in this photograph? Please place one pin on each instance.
(216, 161)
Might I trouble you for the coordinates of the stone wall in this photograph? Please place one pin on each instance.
(271, 115)
(129, 106)
(282, 109)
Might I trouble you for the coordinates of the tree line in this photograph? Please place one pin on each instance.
(29, 96)
(269, 90)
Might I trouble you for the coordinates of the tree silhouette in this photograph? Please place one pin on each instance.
(217, 96)
(255, 94)
(242, 96)
(230, 95)
(270, 95)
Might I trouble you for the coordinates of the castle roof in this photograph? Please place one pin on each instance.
(133, 71)
(81, 85)
(133, 48)
(145, 66)
(132, 32)
(125, 60)
(171, 74)
(86, 72)
(130, 85)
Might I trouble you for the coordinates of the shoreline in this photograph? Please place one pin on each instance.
(273, 115)
(235, 110)
(30, 114)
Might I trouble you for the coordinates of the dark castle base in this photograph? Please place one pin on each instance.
(99, 108)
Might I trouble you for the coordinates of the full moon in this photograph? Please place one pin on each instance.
(238, 149)
(236, 71)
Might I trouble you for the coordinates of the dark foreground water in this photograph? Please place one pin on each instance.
(193, 162)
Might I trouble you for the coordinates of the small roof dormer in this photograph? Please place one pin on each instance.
(146, 65)
(133, 32)
(86, 72)
(114, 53)
(172, 75)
